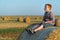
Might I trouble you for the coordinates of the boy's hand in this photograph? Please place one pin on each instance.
(51, 22)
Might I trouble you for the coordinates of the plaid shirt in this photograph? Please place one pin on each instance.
(48, 16)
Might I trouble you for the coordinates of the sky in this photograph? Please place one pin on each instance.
(27, 7)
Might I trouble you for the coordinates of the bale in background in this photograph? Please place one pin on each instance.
(58, 23)
(5, 18)
(21, 19)
(27, 20)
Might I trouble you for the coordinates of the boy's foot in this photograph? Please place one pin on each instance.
(28, 30)
(32, 31)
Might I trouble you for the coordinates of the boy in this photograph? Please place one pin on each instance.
(48, 20)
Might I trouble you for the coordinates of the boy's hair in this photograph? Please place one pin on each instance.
(48, 5)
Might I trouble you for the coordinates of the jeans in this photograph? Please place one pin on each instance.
(45, 25)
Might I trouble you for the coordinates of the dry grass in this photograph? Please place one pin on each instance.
(12, 25)
(10, 34)
(55, 35)
(31, 19)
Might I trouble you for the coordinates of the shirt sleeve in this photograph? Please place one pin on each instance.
(53, 17)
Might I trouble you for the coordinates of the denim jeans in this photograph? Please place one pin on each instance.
(45, 25)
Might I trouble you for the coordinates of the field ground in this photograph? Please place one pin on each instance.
(12, 25)
(10, 29)
(10, 33)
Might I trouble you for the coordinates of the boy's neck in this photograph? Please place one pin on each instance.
(48, 11)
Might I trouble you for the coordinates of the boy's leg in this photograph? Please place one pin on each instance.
(39, 28)
(36, 26)
(31, 30)
(44, 25)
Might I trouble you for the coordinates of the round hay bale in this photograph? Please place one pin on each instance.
(54, 35)
(27, 20)
(20, 19)
(40, 35)
(6, 18)
(58, 22)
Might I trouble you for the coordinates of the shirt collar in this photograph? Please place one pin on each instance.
(48, 12)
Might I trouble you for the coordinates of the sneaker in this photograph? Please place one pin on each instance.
(32, 31)
(28, 30)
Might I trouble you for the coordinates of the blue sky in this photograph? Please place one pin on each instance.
(27, 7)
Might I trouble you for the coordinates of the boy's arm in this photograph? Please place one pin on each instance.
(51, 21)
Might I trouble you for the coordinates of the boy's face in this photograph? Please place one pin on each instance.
(47, 8)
